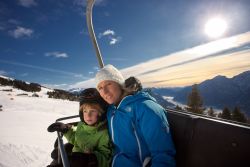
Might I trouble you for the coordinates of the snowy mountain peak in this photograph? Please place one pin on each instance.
(1, 76)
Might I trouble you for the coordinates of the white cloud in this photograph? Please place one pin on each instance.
(107, 33)
(27, 3)
(24, 74)
(29, 53)
(14, 21)
(96, 68)
(113, 41)
(229, 57)
(66, 73)
(56, 54)
(3, 72)
(78, 76)
(2, 28)
(84, 84)
(20, 32)
(116, 59)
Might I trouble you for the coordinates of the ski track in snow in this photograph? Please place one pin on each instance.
(21, 155)
(24, 140)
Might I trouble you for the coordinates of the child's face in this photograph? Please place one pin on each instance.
(91, 114)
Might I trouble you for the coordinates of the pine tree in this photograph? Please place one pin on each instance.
(226, 114)
(211, 112)
(237, 115)
(195, 101)
(219, 115)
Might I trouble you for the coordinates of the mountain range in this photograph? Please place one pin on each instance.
(218, 92)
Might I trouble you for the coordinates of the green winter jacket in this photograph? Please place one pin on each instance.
(93, 138)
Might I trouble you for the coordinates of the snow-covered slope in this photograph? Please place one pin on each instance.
(24, 140)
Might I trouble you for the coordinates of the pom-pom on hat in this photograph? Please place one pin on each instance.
(109, 72)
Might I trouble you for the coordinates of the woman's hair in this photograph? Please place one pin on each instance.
(133, 84)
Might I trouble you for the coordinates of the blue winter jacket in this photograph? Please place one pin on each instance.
(139, 130)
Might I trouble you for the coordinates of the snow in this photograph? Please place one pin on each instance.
(6, 77)
(24, 140)
(170, 99)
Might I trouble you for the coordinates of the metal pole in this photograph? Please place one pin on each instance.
(90, 4)
(63, 153)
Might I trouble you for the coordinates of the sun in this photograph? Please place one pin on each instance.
(215, 27)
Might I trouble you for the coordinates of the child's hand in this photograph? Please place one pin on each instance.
(58, 126)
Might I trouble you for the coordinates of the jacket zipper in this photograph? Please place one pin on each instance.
(112, 129)
(138, 142)
(112, 132)
(113, 161)
(112, 117)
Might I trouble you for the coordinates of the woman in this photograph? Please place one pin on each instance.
(137, 124)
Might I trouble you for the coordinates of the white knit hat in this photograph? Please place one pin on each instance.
(109, 72)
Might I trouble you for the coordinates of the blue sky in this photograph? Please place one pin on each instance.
(159, 41)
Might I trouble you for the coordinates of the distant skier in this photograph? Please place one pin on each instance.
(91, 143)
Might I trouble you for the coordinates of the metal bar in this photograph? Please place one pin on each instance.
(64, 157)
(69, 117)
(215, 119)
(90, 4)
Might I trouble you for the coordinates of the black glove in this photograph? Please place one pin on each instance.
(68, 148)
(83, 159)
(58, 126)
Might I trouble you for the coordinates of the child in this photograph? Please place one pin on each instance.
(91, 143)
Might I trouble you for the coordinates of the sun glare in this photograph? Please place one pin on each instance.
(215, 27)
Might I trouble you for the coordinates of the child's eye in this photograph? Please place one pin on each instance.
(91, 111)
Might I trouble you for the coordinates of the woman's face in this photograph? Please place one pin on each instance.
(91, 114)
(110, 91)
